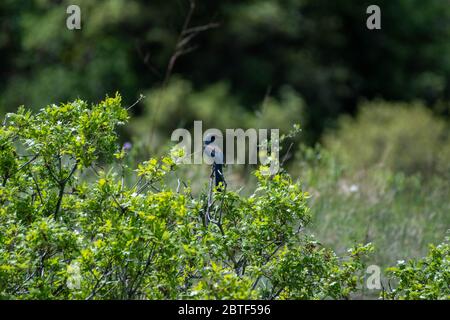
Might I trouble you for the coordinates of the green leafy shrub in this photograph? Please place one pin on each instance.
(427, 278)
(77, 222)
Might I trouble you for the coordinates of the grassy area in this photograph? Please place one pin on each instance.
(401, 215)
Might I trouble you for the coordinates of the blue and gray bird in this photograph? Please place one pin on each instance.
(216, 154)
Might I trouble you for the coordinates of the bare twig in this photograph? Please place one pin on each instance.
(201, 28)
(286, 155)
(141, 97)
(184, 37)
(146, 59)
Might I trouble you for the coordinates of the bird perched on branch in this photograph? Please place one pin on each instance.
(215, 153)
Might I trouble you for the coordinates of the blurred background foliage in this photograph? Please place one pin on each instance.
(373, 105)
(396, 136)
(322, 49)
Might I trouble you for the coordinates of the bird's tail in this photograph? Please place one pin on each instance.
(218, 176)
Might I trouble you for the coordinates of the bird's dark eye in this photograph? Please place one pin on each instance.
(209, 139)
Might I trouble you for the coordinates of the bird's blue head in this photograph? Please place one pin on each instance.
(210, 138)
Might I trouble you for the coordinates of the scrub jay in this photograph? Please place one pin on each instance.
(214, 152)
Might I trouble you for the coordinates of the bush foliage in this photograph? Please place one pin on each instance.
(77, 222)
(427, 278)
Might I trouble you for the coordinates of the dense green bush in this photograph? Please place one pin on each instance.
(397, 136)
(427, 278)
(76, 222)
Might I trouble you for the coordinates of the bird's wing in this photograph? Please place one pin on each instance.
(215, 153)
(218, 155)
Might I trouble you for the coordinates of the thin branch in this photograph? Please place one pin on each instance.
(37, 186)
(62, 186)
(146, 60)
(142, 272)
(50, 171)
(137, 182)
(199, 29)
(277, 293)
(186, 34)
(141, 97)
(28, 162)
(97, 286)
(286, 155)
